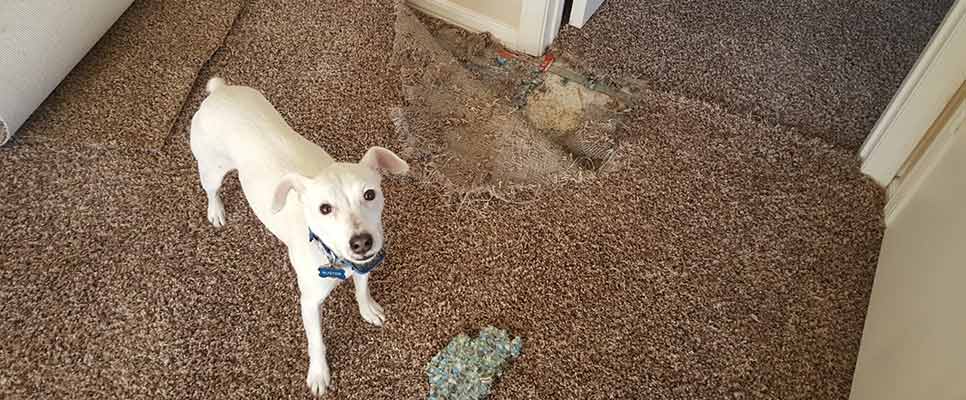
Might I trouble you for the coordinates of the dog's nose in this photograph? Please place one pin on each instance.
(361, 243)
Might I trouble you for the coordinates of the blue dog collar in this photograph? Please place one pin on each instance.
(338, 266)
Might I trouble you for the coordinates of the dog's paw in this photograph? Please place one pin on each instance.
(318, 379)
(216, 214)
(372, 312)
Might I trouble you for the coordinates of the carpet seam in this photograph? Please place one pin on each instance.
(173, 122)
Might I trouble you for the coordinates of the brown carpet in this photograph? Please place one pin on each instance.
(727, 259)
(828, 68)
(128, 89)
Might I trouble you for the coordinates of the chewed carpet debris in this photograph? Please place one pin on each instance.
(468, 367)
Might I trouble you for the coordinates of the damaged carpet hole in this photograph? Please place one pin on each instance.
(481, 119)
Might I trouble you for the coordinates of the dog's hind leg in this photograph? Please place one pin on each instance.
(212, 168)
(212, 174)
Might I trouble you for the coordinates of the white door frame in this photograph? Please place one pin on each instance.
(924, 93)
(539, 25)
(582, 10)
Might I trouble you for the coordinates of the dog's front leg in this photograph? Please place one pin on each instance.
(318, 377)
(371, 311)
(313, 290)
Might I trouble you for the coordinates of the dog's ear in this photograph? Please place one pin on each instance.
(379, 158)
(289, 182)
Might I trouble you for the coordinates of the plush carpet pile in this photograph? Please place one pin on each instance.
(728, 257)
(827, 68)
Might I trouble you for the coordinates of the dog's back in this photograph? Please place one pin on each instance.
(239, 123)
(236, 128)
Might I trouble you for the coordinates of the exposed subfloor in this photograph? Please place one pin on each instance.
(727, 257)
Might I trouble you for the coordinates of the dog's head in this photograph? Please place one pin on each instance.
(343, 204)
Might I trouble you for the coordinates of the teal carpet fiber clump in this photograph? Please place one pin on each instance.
(467, 367)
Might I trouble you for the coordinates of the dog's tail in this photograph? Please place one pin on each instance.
(215, 84)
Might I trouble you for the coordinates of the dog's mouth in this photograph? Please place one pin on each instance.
(364, 259)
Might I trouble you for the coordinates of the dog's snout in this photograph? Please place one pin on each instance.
(361, 243)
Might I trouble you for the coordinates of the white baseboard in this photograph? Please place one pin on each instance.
(904, 187)
(940, 70)
(470, 20)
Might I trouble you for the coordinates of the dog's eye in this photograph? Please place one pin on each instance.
(369, 194)
(325, 209)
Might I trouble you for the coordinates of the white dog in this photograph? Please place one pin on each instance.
(328, 213)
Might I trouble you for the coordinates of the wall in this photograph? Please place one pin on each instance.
(527, 26)
(914, 343)
(505, 11)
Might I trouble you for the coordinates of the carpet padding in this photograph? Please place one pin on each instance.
(726, 258)
(828, 68)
